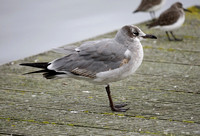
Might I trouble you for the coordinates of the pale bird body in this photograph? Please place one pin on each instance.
(101, 62)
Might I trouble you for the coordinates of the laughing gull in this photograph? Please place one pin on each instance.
(150, 6)
(171, 19)
(101, 62)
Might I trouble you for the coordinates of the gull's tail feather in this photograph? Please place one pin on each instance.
(42, 65)
(39, 71)
(49, 74)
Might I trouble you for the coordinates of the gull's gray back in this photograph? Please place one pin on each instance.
(92, 57)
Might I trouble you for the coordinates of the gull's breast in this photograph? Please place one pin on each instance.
(128, 67)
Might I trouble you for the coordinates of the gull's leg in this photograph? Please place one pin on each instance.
(176, 39)
(113, 107)
(168, 36)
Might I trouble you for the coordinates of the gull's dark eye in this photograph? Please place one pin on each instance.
(136, 33)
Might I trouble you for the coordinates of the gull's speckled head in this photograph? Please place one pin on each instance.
(134, 32)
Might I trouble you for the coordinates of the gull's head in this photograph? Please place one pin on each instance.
(134, 33)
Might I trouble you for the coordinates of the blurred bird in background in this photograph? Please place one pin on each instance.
(150, 6)
(171, 19)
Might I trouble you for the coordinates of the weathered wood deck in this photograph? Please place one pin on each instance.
(163, 95)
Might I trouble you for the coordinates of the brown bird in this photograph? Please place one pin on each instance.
(150, 6)
(171, 19)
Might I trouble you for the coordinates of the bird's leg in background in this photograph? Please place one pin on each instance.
(176, 39)
(152, 14)
(168, 36)
(113, 107)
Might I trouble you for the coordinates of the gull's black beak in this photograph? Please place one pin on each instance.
(149, 36)
(187, 10)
